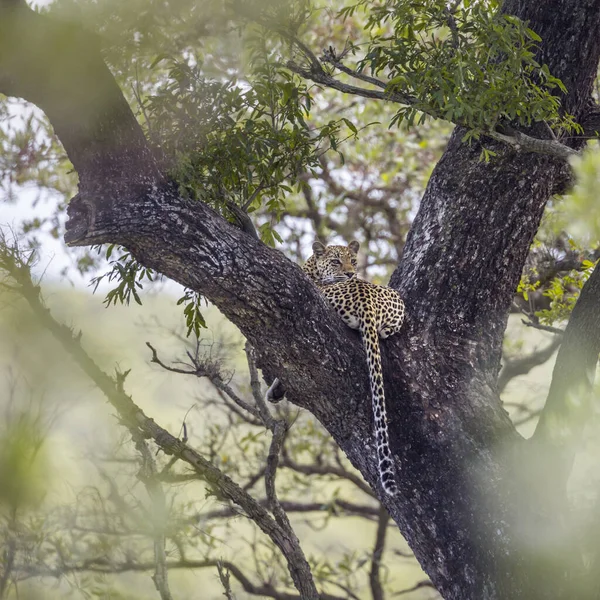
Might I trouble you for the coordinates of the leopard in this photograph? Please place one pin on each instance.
(376, 311)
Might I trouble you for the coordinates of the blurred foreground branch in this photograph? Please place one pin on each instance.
(142, 427)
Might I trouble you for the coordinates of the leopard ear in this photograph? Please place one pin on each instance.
(318, 249)
(354, 246)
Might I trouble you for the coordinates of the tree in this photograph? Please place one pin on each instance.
(476, 499)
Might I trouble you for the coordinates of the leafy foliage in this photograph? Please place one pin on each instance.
(129, 275)
(241, 142)
(563, 293)
(565, 250)
(469, 64)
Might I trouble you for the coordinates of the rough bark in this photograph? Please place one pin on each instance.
(466, 506)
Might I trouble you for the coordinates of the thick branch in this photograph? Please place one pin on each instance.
(58, 67)
(568, 406)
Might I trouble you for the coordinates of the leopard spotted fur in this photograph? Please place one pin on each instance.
(376, 311)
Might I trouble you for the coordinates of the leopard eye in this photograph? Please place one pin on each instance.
(353, 261)
(336, 261)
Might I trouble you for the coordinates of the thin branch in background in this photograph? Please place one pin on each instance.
(137, 94)
(100, 565)
(224, 577)
(524, 413)
(335, 506)
(541, 327)
(513, 367)
(375, 572)
(211, 371)
(418, 586)
(148, 476)
(533, 414)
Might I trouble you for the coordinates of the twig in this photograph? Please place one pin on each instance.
(323, 78)
(224, 577)
(314, 469)
(330, 57)
(335, 507)
(211, 372)
(555, 330)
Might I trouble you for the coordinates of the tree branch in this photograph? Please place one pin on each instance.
(519, 141)
(521, 366)
(375, 572)
(568, 406)
(58, 67)
(314, 469)
(418, 586)
(148, 476)
(555, 330)
(211, 370)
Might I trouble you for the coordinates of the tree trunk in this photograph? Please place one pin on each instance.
(471, 505)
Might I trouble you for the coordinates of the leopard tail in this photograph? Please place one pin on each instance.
(370, 338)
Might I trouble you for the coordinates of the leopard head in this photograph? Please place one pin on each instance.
(332, 264)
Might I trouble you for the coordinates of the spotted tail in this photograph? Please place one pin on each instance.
(384, 456)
